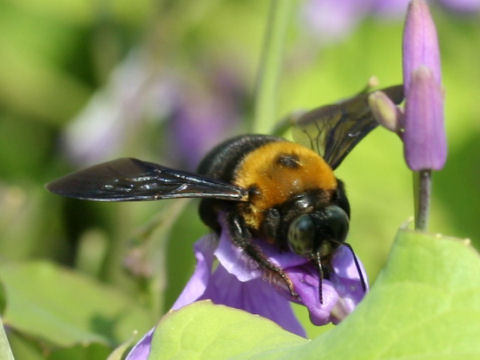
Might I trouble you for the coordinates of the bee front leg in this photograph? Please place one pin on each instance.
(242, 237)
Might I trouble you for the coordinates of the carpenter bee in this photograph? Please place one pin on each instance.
(266, 187)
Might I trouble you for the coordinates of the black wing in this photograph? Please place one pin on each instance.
(334, 130)
(134, 180)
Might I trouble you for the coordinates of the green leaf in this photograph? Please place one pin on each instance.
(424, 305)
(67, 308)
(5, 351)
(207, 331)
(81, 352)
(3, 299)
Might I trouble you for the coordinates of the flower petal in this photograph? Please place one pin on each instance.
(340, 293)
(236, 262)
(234, 259)
(347, 282)
(141, 350)
(306, 283)
(255, 296)
(196, 286)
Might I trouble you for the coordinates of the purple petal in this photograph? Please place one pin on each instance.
(255, 296)
(306, 283)
(340, 294)
(196, 286)
(420, 44)
(142, 349)
(223, 287)
(347, 282)
(424, 137)
(234, 259)
(236, 262)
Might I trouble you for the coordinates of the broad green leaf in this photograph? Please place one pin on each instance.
(207, 331)
(424, 305)
(67, 308)
(5, 351)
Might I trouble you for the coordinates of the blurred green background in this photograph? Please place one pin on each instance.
(87, 81)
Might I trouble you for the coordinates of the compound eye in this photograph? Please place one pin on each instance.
(301, 235)
(333, 224)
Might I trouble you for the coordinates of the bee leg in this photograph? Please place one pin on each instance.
(241, 237)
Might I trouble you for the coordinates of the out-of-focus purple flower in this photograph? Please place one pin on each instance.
(202, 116)
(197, 123)
(102, 127)
(238, 282)
(331, 20)
(424, 134)
(461, 6)
(389, 8)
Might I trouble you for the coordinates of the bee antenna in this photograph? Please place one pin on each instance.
(357, 265)
(318, 261)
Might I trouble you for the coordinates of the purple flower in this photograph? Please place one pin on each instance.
(333, 19)
(238, 282)
(421, 124)
(197, 122)
(389, 8)
(203, 113)
(461, 6)
(424, 135)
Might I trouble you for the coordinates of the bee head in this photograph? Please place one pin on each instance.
(318, 233)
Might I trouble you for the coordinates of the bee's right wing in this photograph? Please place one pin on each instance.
(334, 130)
(130, 179)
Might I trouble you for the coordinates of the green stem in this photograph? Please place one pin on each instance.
(270, 65)
(422, 187)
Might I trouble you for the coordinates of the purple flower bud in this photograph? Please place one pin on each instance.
(420, 44)
(424, 136)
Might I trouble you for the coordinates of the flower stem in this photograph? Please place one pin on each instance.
(270, 65)
(422, 187)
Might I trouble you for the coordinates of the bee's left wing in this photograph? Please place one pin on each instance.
(334, 130)
(130, 179)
